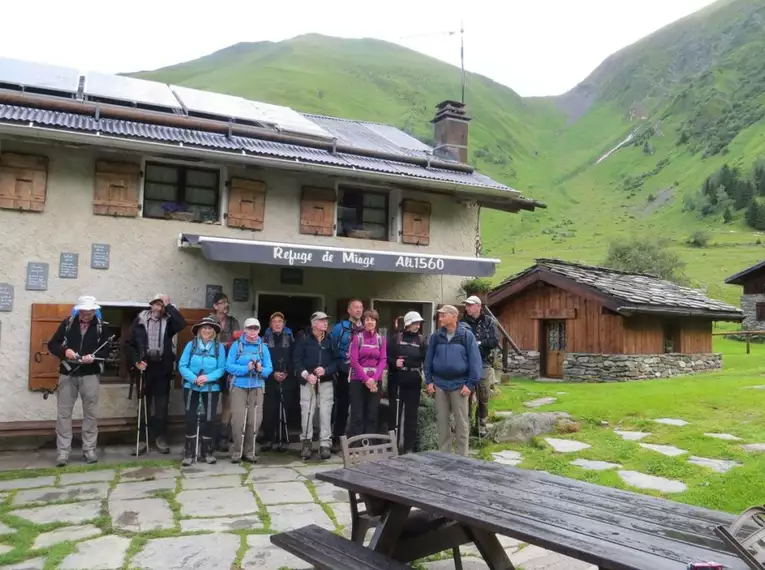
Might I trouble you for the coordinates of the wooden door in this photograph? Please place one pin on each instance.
(43, 366)
(555, 348)
(192, 317)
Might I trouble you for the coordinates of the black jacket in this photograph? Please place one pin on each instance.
(281, 346)
(137, 343)
(485, 331)
(413, 347)
(71, 338)
(310, 354)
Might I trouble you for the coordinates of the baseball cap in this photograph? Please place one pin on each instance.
(252, 322)
(277, 314)
(449, 310)
(412, 317)
(319, 316)
(157, 297)
(473, 300)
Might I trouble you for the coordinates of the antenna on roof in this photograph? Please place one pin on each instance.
(462, 58)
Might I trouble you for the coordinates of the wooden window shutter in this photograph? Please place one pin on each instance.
(246, 204)
(23, 182)
(415, 226)
(192, 317)
(317, 212)
(116, 189)
(43, 366)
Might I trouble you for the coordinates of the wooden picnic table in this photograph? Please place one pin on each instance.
(477, 500)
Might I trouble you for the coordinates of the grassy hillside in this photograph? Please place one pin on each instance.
(692, 95)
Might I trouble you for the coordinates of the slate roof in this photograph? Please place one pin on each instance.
(359, 134)
(740, 277)
(631, 292)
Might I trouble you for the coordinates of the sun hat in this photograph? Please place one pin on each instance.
(473, 300)
(251, 322)
(412, 317)
(206, 322)
(157, 297)
(86, 303)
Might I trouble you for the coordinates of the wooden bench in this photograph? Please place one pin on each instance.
(328, 551)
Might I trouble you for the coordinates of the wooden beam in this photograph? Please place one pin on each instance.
(48, 427)
(558, 315)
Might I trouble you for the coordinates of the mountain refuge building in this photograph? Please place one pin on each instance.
(119, 187)
(752, 282)
(582, 323)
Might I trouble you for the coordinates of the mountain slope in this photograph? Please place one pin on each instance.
(689, 95)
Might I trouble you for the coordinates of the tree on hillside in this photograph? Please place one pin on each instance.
(759, 177)
(755, 215)
(646, 255)
(727, 215)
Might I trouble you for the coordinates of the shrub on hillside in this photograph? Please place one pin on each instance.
(699, 239)
(646, 255)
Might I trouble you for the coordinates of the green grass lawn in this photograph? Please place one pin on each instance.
(718, 402)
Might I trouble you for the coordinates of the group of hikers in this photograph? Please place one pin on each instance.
(336, 374)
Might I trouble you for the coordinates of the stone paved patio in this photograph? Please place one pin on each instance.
(152, 515)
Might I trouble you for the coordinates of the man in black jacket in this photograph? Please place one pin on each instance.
(78, 342)
(485, 330)
(280, 386)
(315, 365)
(150, 352)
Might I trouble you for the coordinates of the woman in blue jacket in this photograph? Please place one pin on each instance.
(249, 364)
(202, 366)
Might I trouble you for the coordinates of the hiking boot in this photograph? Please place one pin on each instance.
(279, 447)
(306, 452)
(161, 444)
(90, 456)
(62, 459)
(325, 453)
(336, 447)
(207, 450)
(142, 448)
(268, 446)
(224, 438)
(189, 450)
(236, 459)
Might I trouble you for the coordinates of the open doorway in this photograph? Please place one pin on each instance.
(390, 310)
(297, 309)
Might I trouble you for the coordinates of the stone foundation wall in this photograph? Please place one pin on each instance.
(580, 367)
(525, 365)
(749, 308)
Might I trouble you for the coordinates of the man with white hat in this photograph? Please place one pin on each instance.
(81, 344)
(316, 364)
(485, 331)
(149, 350)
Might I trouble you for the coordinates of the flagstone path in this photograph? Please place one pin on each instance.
(219, 516)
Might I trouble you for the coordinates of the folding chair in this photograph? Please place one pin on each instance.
(751, 547)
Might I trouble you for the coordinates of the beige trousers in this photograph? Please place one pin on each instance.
(249, 402)
(69, 387)
(448, 403)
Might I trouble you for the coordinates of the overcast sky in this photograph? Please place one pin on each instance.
(536, 47)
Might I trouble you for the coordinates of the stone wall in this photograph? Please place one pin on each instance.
(525, 365)
(580, 367)
(749, 308)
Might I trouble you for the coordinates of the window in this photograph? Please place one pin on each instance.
(181, 193)
(117, 321)
(362, 214)
(671, 337)
(760, 311)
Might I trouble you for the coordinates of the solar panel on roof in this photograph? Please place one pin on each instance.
(398, 137)
(290, 120)
(130, 89)
(209, 103)
(39, 75)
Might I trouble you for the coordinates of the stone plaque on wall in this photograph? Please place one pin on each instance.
(6, 297)
(241, 290)
(210, 292)
(99, 255)
(37, 276)
(68, 265)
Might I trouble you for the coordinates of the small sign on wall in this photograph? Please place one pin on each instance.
(6, 297)
(291, 276)
(99, 255)
(37, 276)
(210, 292)
(241, 290)
(68, 265)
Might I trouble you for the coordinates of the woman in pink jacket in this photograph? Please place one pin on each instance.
(367, 354)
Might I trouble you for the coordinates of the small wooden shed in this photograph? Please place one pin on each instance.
(587, 323)
(752, 282)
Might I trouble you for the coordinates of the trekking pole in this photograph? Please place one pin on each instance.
(200, 411)
(138, 424)
(145, 410)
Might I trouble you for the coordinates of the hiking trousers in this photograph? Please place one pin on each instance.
(483, 391)
(364, 408)
(247, 401)
(69, 387)
(448, 403)
(312, 398)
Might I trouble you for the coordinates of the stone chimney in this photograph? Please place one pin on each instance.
(450, 129)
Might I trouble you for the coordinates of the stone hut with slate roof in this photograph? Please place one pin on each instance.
(585, 323)
(752, 281)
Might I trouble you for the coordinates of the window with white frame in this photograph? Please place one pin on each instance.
(362, 214)
(180, 192)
